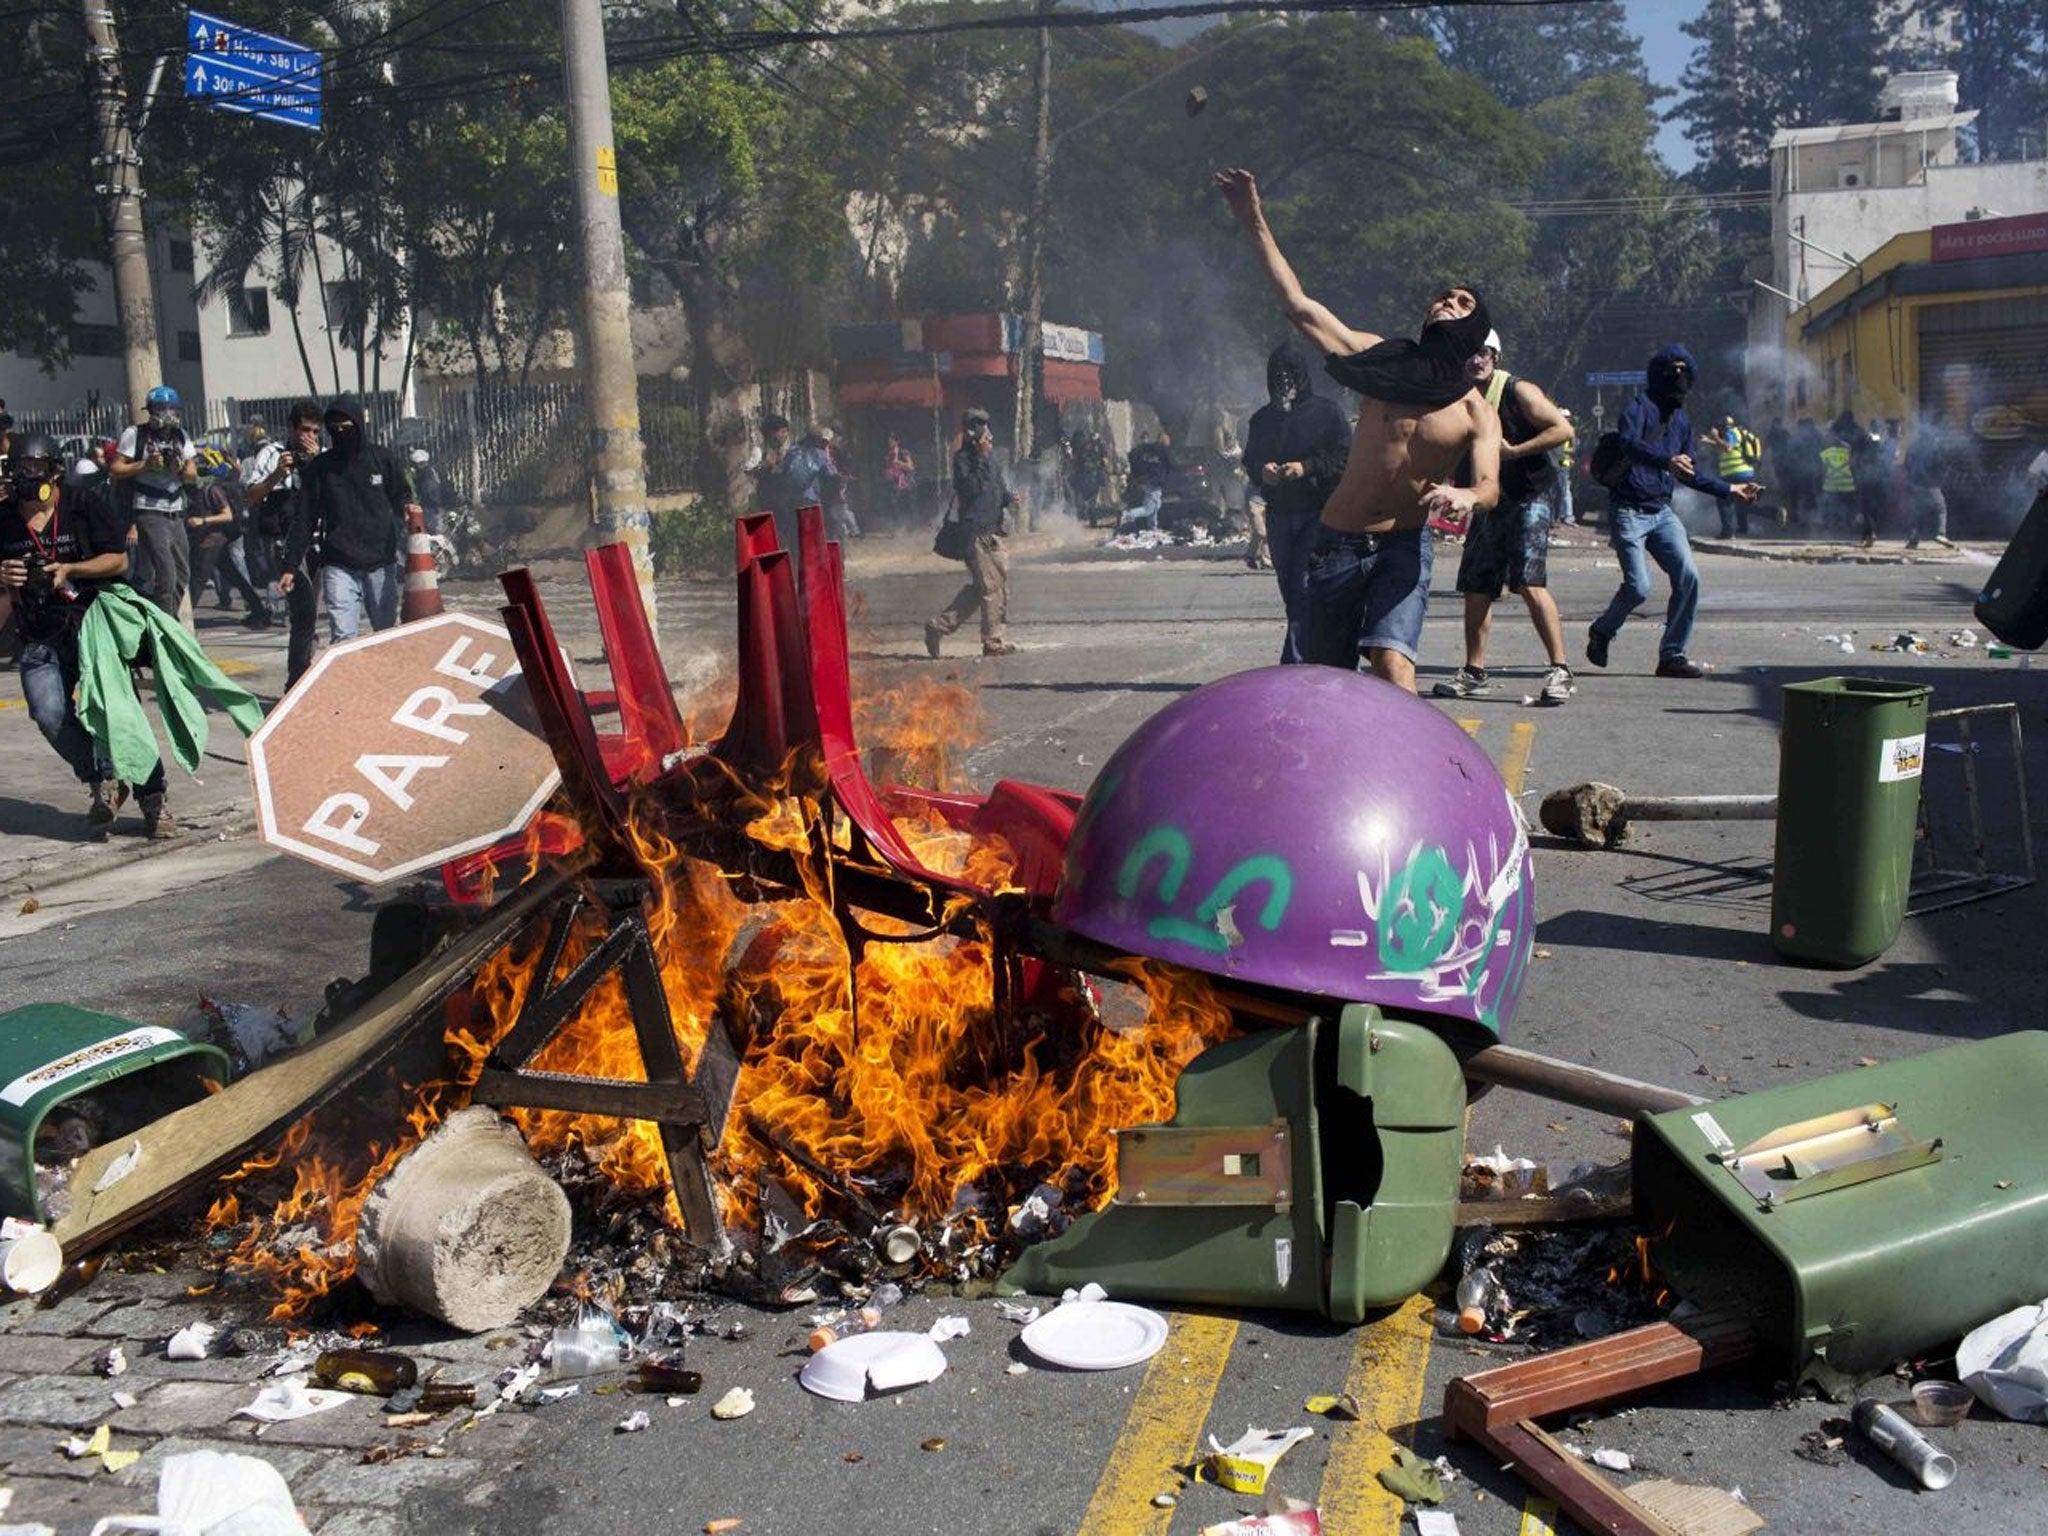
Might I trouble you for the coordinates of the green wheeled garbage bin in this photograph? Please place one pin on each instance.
(1849, 761)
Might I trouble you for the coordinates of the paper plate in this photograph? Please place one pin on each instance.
(1096, 1335)
(845, 1370)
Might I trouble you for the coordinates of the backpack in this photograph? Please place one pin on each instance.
(1609, 462)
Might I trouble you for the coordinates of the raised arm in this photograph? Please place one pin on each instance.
(1553, 427)
(1240, 189)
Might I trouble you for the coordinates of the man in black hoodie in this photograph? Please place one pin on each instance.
(357, 497)
(1294, 451)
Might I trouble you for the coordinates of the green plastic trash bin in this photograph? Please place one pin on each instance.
(53, 1052)
(1849, 761)
(1313, 1169)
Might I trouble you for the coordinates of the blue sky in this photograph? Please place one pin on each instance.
(1664, 53)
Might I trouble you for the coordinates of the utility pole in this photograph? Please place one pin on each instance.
(610, 390)
(1025, 433)
(117, 177)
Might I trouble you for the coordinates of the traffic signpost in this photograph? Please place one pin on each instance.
(237, 69)
(400, 750)
(1624, 378)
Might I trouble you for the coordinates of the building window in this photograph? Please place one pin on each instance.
(96, 340)
(249, 312)
(188, 346)
(181, 255)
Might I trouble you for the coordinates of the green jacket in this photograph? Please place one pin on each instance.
(122, 628)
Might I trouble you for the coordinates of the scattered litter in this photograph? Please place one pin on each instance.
(1934, 1469)
(1089, 1292)
(1341, 1406)
(1964, 639)
(1413, 1477)
(112, 1361)
(935, 1443)
(214, 1493)
(1165, 1500)
(721, 1527)
(1299, 1521)
(1016, 1368)
(632, 1423)
(125, 1399)
(558, 1394)
(736, 1404)
(78, 1447)
(1907, 643)
(1613, 1461)
(1435, 1522)
(118, 1169)
(190, 1342)
(30, 1258)
(1695, 1510)
(250, 1035)
(1244, 1465)
(1826, 1446)
(1938, 1404)
(30, 907)
(1496, 1176)
(2005, 1362)
(290, 1399)
(1089, 1334)
(669, 1376)
(1016, 1312)
(949, 1328)
(884, 1362)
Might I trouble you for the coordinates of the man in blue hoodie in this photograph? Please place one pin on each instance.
(1656, 438)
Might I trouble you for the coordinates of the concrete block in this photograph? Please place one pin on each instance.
(192, 1407)
(354, 1522)
(468, 1228)
(141, 1478)
(33, 1354)
(73, 1506)
(393, 1485)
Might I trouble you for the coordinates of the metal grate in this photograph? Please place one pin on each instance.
(1967, 835)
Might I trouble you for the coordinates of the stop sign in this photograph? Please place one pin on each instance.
(402, 749)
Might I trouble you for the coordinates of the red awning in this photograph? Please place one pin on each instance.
(1069, 383)
(912, 392)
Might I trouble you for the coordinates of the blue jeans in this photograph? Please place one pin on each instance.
(1657, 532)
(49, 678)
(351, 593)
(1148, 510)
(1291, 537)
(1365, 592)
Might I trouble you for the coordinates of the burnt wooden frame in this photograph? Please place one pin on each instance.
(680, 1109)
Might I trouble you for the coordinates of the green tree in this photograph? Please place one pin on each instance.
(2002, 57)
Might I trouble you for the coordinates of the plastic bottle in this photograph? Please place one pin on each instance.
(373, 1372)
(1477, 1293)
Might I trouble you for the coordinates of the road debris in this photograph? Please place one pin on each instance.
(1884, 1427)
(736, 1404)
(214, 1493)
(1342, 1406)
(2005, 1362)
(1244, 1465)
(30, 1258)
(847, 1370)
(633, 1422)
(192, 1342)
(1413, 1477)
(290, 1399)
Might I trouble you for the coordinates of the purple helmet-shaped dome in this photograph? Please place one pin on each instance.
(1315, 830)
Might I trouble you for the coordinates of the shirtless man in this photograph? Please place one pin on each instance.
(1368, 580)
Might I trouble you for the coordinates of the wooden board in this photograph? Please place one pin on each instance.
(185, 1150)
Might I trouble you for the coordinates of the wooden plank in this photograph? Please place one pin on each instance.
(1579, 1487)
(183, 1151)
(1596, 1371)
(672, 1103)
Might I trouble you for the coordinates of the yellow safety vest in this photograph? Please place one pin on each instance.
(1739, 454)
(1836, 476)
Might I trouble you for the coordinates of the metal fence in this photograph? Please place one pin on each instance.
(493, 446)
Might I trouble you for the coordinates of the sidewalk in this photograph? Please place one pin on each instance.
(43, 837)
(1822, 551)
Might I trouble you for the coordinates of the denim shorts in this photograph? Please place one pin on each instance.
(1507, 549)
(1365, 592)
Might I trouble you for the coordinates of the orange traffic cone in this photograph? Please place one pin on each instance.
(422, 598)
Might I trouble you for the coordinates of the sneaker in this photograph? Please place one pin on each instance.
(157, 824)
(1596, 648)
(932, 637)
(259, 618)
(1944, 541)
(1469, 683)
(1868, 541)
(1680, 666)
(1558, 685)
(1912, 543)
(998, 648)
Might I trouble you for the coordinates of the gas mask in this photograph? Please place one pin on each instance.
(163, 418)
(35, 482)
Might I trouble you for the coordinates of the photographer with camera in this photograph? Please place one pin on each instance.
(156, 463)
(985, 506)
(59, 550)
(276, 502)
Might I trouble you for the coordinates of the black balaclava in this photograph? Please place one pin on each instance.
(1286, 368)
(1430, 371)
(1670, 374)
(348, 444)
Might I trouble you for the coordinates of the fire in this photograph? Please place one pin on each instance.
(890, 1083)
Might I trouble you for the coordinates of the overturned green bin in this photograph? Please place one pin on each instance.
(1860, 1219)
(1312, 1169)
(51, 1053)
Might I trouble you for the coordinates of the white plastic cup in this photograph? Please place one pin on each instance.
(30, 1259)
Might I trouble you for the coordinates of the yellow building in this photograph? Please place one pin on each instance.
(1944, 327)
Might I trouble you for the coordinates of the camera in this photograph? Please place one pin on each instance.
(42, 580)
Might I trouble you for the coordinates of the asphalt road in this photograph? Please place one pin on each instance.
(1653, 962)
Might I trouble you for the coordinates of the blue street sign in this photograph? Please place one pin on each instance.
(1624, 378)
(239, 70)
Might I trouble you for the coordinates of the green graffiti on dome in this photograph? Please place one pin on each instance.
(1169, 843)
(1419, 912)
(1205, 932)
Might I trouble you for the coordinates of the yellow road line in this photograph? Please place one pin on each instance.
(1387, 1369)
(1514, 763)
(13, 703)
(1471, 727)
(233, 668)
(1162, 1430)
